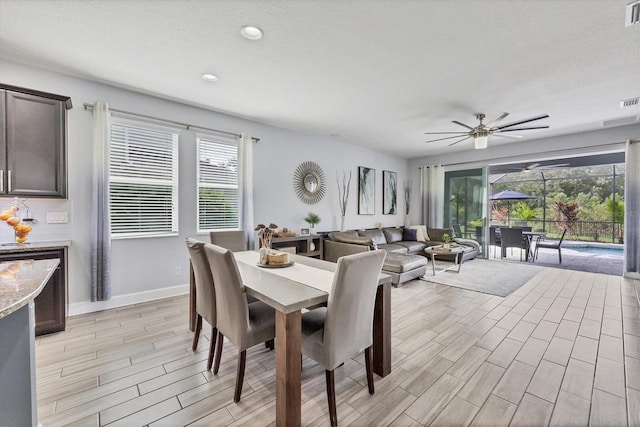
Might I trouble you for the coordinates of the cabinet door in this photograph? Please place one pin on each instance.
(50, 305)
(35, 163)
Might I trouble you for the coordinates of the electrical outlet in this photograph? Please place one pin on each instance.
(178, 271)
(57, 217)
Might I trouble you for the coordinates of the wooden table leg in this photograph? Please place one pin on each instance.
(192, 299)
(288, 369)
(382, 331)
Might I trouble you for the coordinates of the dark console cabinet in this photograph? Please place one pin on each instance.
(32, 143)
(50, 305)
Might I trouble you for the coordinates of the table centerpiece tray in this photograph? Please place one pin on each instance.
(289, 264)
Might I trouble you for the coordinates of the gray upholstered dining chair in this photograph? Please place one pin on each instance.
(205, 295)
(234, 240)
(333, 334)
(244, 324)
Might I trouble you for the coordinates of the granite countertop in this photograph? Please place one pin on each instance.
(22, 281)
(34, 246)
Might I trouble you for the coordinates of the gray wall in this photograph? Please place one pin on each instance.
(143, 265)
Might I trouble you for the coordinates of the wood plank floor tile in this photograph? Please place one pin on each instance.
(611, 348)
(514, 382)
(533, 411)
(429, 405)
(632, 370)
(532, 351)
(546, 382)
(610, 377)
(545, 330)
(492, 339)
(479, 386)
(559, 351)
(570, 410)
(465, 367)
(632, 346)
(505, 352)
(458, 412)
(633, 407)
(496, 412)
(578, 379)
(608, 410)
(567, 330)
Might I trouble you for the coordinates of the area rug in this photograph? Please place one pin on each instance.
(499, 278)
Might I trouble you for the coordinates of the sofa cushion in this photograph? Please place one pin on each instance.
(437, 233)
(403, 263)
(392, 234)
(409, 235)
(352, 237)
(394, 248)
(376, 235)
(412, 247)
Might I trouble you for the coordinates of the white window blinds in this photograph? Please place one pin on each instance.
(143, 185)
(217, 183)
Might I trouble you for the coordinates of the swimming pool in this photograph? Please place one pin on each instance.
(597, 249)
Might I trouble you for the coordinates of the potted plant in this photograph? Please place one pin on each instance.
(312, 219)
(446, 239)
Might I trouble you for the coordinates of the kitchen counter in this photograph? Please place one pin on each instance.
(20, 282)
(34, 246)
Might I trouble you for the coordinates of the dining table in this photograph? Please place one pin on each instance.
(306, 283)
(529, 235)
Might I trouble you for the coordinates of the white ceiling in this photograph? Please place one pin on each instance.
(378, 73)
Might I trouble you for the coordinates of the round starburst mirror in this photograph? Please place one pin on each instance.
(309, 183)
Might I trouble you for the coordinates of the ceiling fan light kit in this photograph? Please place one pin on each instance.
(481, 132)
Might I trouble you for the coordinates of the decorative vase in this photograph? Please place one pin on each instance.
(312, 246)
(445, 245)
(264, 252)
(312, 230)
(343, 227)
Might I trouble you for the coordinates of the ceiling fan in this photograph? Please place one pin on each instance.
(481, 132)
(537, 167)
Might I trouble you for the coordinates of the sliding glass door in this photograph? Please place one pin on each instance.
(466, 204)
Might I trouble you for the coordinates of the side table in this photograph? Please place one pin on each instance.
(434, 251)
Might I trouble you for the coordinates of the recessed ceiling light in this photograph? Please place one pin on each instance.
(250, 32)
(208, 77)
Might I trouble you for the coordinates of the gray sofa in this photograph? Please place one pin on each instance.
(405, 258)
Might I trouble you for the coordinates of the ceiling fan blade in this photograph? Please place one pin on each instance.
(500, 117)
(507, 135)
(448, 137)
(444, 133)
(454, 143)
(519, 122)
(551, 167)
(462, 124)
(518, 129)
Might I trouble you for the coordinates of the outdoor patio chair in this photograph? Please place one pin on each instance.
(494, 238)
(512, 238)
(457, 231)
(551, 244)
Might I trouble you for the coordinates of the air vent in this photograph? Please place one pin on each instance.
(631, 102)
(621, 121)
(632, 15)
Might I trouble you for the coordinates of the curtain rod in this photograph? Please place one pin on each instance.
(186, 125)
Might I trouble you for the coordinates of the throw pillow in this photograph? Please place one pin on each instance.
(419, 234)
(409, 235)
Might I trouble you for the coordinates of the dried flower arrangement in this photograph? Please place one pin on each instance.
(265, 234)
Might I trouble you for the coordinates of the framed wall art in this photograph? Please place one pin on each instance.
(366, 190)
(389, 193)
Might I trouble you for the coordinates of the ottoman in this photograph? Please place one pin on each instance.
(402, 268)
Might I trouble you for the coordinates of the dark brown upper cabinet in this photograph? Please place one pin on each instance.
(33, 158)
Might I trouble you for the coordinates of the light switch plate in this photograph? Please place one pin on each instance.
(57, 217)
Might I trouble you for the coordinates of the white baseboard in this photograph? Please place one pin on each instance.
(128, 299)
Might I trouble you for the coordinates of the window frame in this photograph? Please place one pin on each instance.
(216, 139)
(173, 182)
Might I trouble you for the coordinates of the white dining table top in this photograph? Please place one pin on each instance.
(306, 283)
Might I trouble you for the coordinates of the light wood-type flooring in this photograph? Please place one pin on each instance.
(562, 350)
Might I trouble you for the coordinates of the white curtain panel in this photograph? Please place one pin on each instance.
(632, 211)
(245, 159)
(432, 183)
(100, 217)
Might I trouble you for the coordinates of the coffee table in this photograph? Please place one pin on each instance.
(434, 251)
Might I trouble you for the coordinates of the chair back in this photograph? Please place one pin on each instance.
(205, 292)
(348, 327)
(494, 238)
(457, 230)
(526, 228)
(511, 237)
(231, 299)
(234, 240)
(562, 237)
